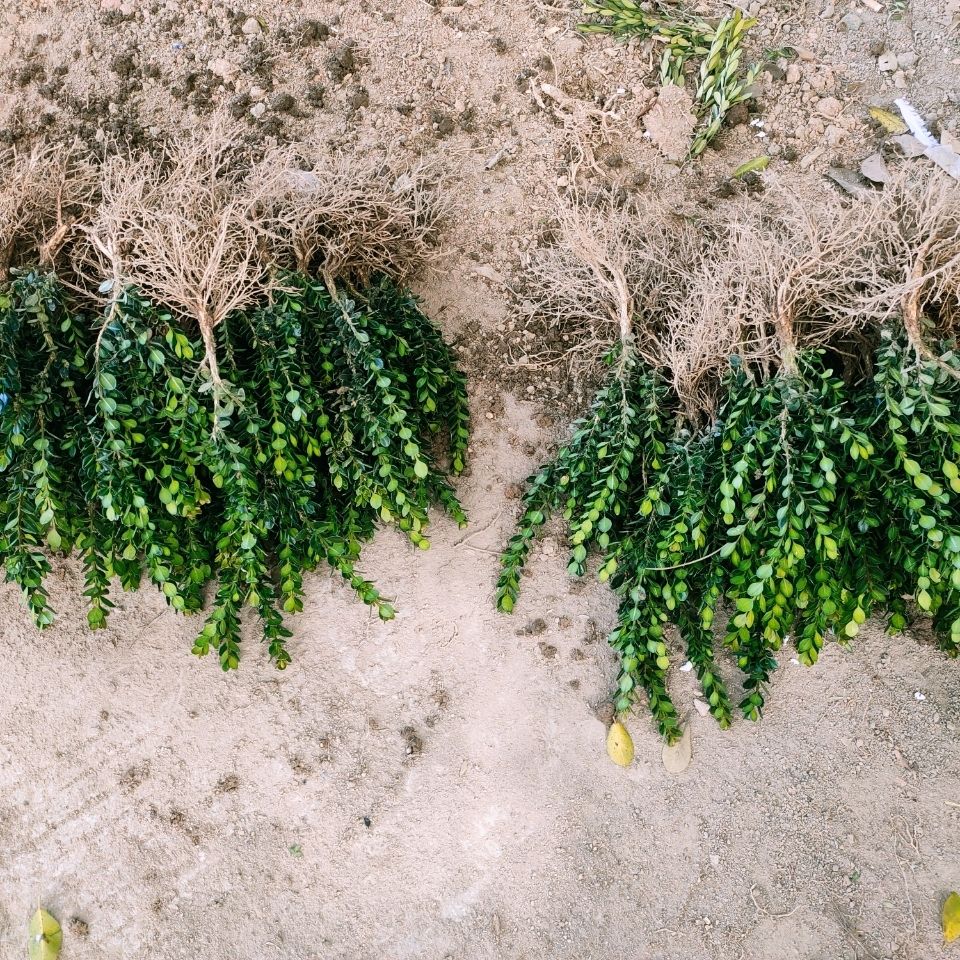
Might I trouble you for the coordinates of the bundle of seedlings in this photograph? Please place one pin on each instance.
(253, 393)
(720, 81)
(774, 446)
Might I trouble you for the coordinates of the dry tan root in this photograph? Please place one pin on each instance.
(614, 264)
(920, 254)
(800, 273)
(348, 217)
(183, 228)
(41, 195)
(763, 280)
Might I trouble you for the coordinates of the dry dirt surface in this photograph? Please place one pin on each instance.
(437, 787)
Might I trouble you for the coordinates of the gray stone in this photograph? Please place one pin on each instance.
(851, 22)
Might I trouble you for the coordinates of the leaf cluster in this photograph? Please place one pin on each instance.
(333, 412)
(721, 83)
(807, 506)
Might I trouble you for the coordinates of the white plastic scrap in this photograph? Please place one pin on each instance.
(942, 155)
(915, 122)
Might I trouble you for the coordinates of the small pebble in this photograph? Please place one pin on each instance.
(829, 107)
(851, 22)
(887, 62)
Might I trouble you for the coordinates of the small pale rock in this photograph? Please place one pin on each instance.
(793, 73)
(806, 55)
(258, 110)
(6, 45)
(851, 22)
(945, 158)
(848, 181)
(829, 107)
(223, 68)
(900, 80)
(251, 27)
(703, 708)
(834, 134)
(906, 60)
(887, 62)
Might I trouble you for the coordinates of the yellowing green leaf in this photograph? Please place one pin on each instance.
(46, 937)
(951, 917)
(620, 745)
(889, 121)
(751, 166)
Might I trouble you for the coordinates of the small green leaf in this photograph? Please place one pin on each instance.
(751, 166)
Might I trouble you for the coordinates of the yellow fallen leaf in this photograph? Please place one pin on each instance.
(751, 166)
(46, 937)
(677, 756)
(951, 917)
(889, 121)
(619, 745)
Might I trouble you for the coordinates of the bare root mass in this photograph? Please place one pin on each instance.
(690, 290)
(344, 217)
(208, 228)
(42, 194)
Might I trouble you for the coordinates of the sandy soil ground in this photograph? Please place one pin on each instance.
(437, 787)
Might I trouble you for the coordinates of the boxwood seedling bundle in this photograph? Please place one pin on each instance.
(211, 373)
(774, 453)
